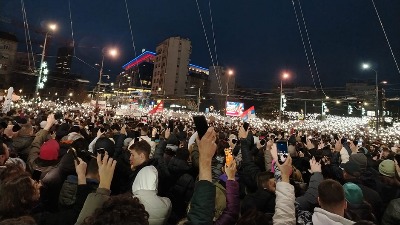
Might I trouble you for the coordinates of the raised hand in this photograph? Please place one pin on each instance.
(285, 168)
(106, 170)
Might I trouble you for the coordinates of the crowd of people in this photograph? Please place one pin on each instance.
(88, 168)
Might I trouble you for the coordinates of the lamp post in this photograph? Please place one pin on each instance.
(367, 66)
(284, 76)
(112, 52)
(39, 83)
(230, 73)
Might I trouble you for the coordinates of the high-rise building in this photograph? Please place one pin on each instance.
(8, 50)
(137, 73)
(171, 67)
(64, 60)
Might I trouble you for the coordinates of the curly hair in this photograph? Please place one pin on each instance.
(120, 210)
(17, 191)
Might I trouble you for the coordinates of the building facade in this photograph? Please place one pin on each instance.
(220, 80)
(8, 51)
(171, 67)
(64, 61)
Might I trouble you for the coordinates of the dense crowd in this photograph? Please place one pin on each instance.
(64, 167)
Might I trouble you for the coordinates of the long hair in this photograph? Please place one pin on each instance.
(17, 191)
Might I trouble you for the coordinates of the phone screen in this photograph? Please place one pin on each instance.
(171, 125)
(282, 148)
(201, 125)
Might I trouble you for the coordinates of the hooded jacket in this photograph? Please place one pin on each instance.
(323, 217)
(145, 189)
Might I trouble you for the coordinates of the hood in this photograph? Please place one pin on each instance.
(146, 179)
(323, 217)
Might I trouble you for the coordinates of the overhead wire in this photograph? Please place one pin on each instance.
(28, 37)
(386, 37)
(212, 29)
(133, 41)
(208, 46)
(72, 29)
(311, 49)
(304, 45)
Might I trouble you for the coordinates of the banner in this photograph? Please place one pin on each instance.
(158, 108)
(101, 104)
(234, 108)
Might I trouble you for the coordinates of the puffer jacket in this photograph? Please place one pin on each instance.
(68, 191)
(22, 146)
(231, 212)
(145, 189)
(392, 216)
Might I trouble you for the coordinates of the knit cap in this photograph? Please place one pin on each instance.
(387, 168)
(353, 193)
(49, 150)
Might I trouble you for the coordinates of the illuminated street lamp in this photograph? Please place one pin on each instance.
(42, 73)
(366, 66)
(283, 77)
(106, 51)
(230, 73)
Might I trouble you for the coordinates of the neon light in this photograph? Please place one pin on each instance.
(198, 67)
(145, 55)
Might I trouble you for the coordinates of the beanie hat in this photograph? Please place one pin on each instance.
(49, 150)
(353, 193)
(351, 168)
(360, 159)
(387, 168)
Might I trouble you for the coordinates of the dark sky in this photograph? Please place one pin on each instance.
(258, 39)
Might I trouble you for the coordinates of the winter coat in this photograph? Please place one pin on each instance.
(284, 207)
(33, 156)
(202, 204)
(249, 170)
(22, 146)
(231, 212)
(68, 191)
(392, 215)
(310, 198)
(145, 189)
(357, 212)
(93, 202)
(323, 217)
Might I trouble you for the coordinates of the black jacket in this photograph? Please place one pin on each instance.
(262, 200)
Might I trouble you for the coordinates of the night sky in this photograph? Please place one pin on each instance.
(258, 39)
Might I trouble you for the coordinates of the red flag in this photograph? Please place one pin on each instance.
(158, 108)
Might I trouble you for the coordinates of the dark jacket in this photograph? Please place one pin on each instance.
(65, 217)
(310, 199)
(202, 205)
(262, 200)
(249, 170)
(357, 212)
(22, 146)
(68, 191)
(392, 215)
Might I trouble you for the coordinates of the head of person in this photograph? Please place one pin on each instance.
(331, 197)
(255, 217)
(18, 191)
(266, 181)
(115, 128)
(120, 209)
(104, 144)
(351, 170)
(140, 153)
(4, 153)
(144, 130)
(353, 145)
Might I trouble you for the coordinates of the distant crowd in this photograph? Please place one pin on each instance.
(85, 168)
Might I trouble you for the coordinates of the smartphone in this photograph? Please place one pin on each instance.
(282, 148)
(171, 125)
(262, 142)
(101, 151)
(73, 151)
(36, 175)
(201, 125)
(304, 139)
(246, 126)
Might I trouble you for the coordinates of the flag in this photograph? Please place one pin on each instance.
(248, 114)
(158, 108)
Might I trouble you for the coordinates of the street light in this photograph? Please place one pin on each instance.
(230, 73)
(198, 98)
(41, 80)
(284, 77)
(112, 52)
(367, 66)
